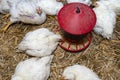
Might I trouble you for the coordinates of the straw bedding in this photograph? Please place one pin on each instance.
(102, 56)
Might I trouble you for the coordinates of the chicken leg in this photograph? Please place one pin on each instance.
(116, 41)
(6, 16)
(4, 29)
(62, 78)
(118, 18)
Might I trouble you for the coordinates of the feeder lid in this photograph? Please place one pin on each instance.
(76, 18)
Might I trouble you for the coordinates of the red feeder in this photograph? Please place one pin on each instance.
(76, 21)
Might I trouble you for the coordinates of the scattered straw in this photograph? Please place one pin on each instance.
(102, 56)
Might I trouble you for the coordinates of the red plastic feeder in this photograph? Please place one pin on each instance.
(76, 22)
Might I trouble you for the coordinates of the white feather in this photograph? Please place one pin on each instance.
(112, 4)
(39, 43)
(106, 19)
(79, 72)
(51, 7)
(87, 2)
(33, 69)
(4, 6)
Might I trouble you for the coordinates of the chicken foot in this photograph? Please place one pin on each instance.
(4, 29)
(6, 16)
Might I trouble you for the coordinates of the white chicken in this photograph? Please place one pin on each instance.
(106, 19)
(31, 14)
(112, 4)
(33, 69)
(79, 72)
(26, 11)
(87, 2)
(39, 43)
(51, 7)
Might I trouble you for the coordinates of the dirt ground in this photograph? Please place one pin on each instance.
(102, 56)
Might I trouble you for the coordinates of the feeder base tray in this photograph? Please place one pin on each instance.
(75, 46)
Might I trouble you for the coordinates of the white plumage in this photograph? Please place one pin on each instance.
(106, 19)
(112, 4)
(39, 43)
(79, 72)
(27, 11)
(33, 69)
(51, 7)
(87, 2)
(4, 6)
